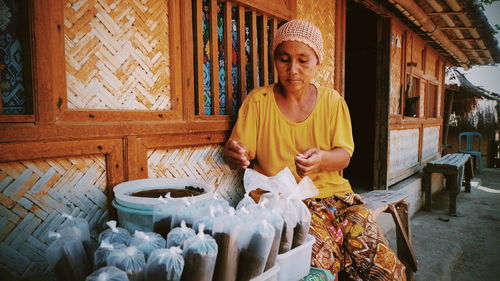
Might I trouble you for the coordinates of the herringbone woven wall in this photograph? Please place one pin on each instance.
(33, 197)
(322, 14)
(117, 54)
(203, 162)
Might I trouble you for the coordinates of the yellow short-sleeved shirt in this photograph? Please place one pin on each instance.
(272, 141)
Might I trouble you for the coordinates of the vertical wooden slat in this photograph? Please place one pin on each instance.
(136, 166)
(176, 63)
(274, 27)
(241, 53)
(264, 43)
(188, 67)
(48, 71)
(228, 47)
(340, 35)
(214, 57)
(199, 57)
(253, 50)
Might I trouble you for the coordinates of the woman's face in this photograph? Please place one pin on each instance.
(296, 64)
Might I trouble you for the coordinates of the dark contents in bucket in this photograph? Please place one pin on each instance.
(174, 192)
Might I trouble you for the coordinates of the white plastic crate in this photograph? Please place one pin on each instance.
(270, 275)
(296, 263)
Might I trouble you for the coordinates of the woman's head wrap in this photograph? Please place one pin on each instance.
(301, 31)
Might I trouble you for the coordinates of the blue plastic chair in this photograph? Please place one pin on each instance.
(470, 138)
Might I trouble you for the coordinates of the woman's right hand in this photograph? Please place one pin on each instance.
(235, 155)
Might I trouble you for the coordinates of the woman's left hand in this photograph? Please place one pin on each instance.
(309, 161)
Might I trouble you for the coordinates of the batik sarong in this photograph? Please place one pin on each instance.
(348, 241)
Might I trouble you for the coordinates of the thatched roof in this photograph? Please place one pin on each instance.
(456, 82)
(468, 37)
(473, 108)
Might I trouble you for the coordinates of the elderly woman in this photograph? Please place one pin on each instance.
(295, 124)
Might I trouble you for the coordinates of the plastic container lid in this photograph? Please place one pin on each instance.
(123, 190)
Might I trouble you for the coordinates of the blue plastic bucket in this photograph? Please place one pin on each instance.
(136, 213)
(134, 219)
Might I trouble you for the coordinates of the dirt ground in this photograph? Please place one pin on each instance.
(463, 248)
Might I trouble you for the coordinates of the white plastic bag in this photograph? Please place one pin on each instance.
(208, 220)
(163, 213)
(245, 202)
(67, 258)
(102, 252)
(282, 185)
(276, 220)
(147, 242)
(200, 254)
(130, 260)
(184, 213)
(108, 273)
(254, 255)
(177, 236)
(303, 223)
(230, 240)
(285, 196)
(165, 265)
(75, 227)
(114, 234)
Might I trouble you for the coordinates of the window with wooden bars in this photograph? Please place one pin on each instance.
(15, 64)
(232, 45)
(411, 106)
(431, 98)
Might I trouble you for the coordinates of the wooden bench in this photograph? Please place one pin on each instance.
(453, 167)
(393, 202)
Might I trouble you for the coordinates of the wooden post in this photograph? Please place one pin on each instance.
(214, 57)
(241, 53)
(402, 210)
(228, 47)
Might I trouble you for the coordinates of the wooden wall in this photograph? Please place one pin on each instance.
(411, 56)
(113, 101)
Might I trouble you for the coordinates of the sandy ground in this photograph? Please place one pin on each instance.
(463, 248)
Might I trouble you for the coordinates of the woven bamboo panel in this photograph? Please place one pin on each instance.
(396, 70)
(430, 142)
(33, 197)
(322, 14)
(117, 54)
(202, 162)
(403, 150)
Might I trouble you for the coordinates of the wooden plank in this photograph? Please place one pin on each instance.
(135, 159)
(175, 55)
(184, 140)
(455, 27)
(254, 57)
(446, 13)
(264, 47)
(405, 247)
(199, 58)
(340, 37)
(214, 57)
(18, 151)
(284, 9)
(228, 47)
(377, 200)
(88, 130)
(242, 60)
(274, 28)
(188, 69)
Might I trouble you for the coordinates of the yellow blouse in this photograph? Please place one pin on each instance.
(272, 141)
